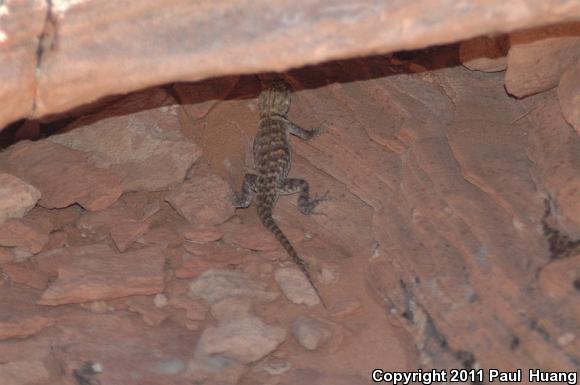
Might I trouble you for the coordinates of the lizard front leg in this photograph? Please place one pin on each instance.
(244, 198)
(306, 204)
(303, 133)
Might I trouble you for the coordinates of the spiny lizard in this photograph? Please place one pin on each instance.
(273, 159)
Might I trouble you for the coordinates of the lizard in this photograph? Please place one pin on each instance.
(272, 160)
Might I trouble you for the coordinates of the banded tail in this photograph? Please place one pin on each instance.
(268, 222)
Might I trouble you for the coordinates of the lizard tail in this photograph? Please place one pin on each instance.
(271, 225)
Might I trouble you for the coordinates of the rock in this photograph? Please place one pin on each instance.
(202, 234)
(310, 332)
(160, 300)
(16, 197)
(5, 255)
(26, 275)
(254, 236)
(275, 367)
(204, 199)
(537, 58)
(569, 95)
(214, 370)
(120, 221)
(484, 54)
(140, 142)
(192, 267)
(239, 335)
(137, 353)
(26, 372)
(559, 278)
(126, 232)
(345, 308)
(23, 233)
(20, 317)
(215, 285)
(19, 58)
(316, 377)
(62, 175)
(96, 276)
(144, 305)
(63, 83)
(296, 287)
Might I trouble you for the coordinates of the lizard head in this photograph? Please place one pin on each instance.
(275, 98)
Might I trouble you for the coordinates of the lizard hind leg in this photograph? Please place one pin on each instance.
(306, 204)
(244, 198)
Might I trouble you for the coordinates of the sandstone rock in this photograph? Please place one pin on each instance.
(202, 234)
(16, 197)
(310, 332)
(105, 276)
(5, 255)
(569, 95)
(204, 199)
(239, 335)
(215, 285)
(142, 145)
(117, 341)
(62, 175)
(26, 372)
(254, 236)
(20, 317)
(152, 315)
(19, 57)
(126, 232)
(345, 308)
(23, 233)
(296, 287)
(62, 83)
(26, 275)
(558, 279)
(192, 267)
(484, 54)
(538, 58)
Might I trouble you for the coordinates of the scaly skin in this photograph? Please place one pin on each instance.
(273, 159)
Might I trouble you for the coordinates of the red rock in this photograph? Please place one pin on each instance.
(138, 138)
(16, 197)
(24, 372)
(204, 199)
(192, 266)
(20, 317)
(96, 276)
(5, 255)
(558, 279)
(62, 175)
(202, 234)
(123, 344)
(484, 54)
(202, 257)
(163, 236)
(59, 83)
(126, 232)
(23, 233)
(26, 275)
(569, 95)
(537, 58)
(53, 219)
(254, 236)
(144, 305)
(239, 334)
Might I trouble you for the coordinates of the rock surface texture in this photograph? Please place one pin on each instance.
(57, 55)
(450, 237)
